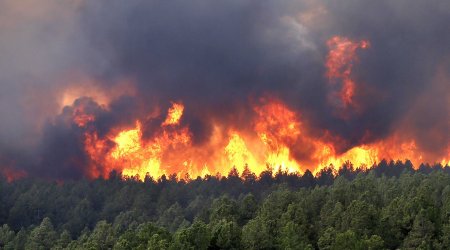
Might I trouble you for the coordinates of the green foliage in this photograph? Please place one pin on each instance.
(102, 237)
(294, 228)
(389, 209)
(197, 236)
(346, 240)
(247, 208)
(6, 237)
(375, 242)
(21, 239)
(157, 242)
(293, 237)
(256, 235)
(226, 235)
(63, 241)
(350, 240)
(173, 218)
(360, 217)
(223, 208)
(421, 234)
(326, 240)
(42, 237)
(144, 236)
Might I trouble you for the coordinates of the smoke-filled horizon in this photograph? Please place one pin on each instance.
(301, 81)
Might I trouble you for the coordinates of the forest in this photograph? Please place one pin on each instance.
(391, 205)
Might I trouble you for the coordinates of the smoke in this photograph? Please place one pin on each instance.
(217, 58)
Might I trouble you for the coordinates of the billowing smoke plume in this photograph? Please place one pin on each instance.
(70, 67)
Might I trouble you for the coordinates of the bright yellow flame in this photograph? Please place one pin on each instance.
(358, 156)
(174, 114)
(135, 158)
(238, 153)
(281, 160)
(127, 142)
(278, 133)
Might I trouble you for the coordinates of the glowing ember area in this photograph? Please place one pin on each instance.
(81, 119)
(339, 64)
(12, 174)
(279, 140)
(80, 116)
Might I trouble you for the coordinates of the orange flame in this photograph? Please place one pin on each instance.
(278, 138)
(174, 114)
(339, 64)
(12, 174)
(275, 137)
(81, 118)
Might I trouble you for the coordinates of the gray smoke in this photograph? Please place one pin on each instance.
(217, 56)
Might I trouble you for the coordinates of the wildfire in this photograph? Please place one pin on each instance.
(174, 114)
(237, 152)
(277, 138)
(339, 64)
(274, 136)
(81, 118)
(12, 174)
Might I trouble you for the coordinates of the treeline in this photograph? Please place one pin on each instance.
(389, 206)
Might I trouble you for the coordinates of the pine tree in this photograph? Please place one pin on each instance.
(42, 237)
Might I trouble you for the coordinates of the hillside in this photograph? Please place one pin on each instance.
(387, 207)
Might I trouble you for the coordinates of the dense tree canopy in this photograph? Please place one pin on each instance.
(389, 206)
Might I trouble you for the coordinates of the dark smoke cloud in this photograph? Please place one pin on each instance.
(216, 57)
